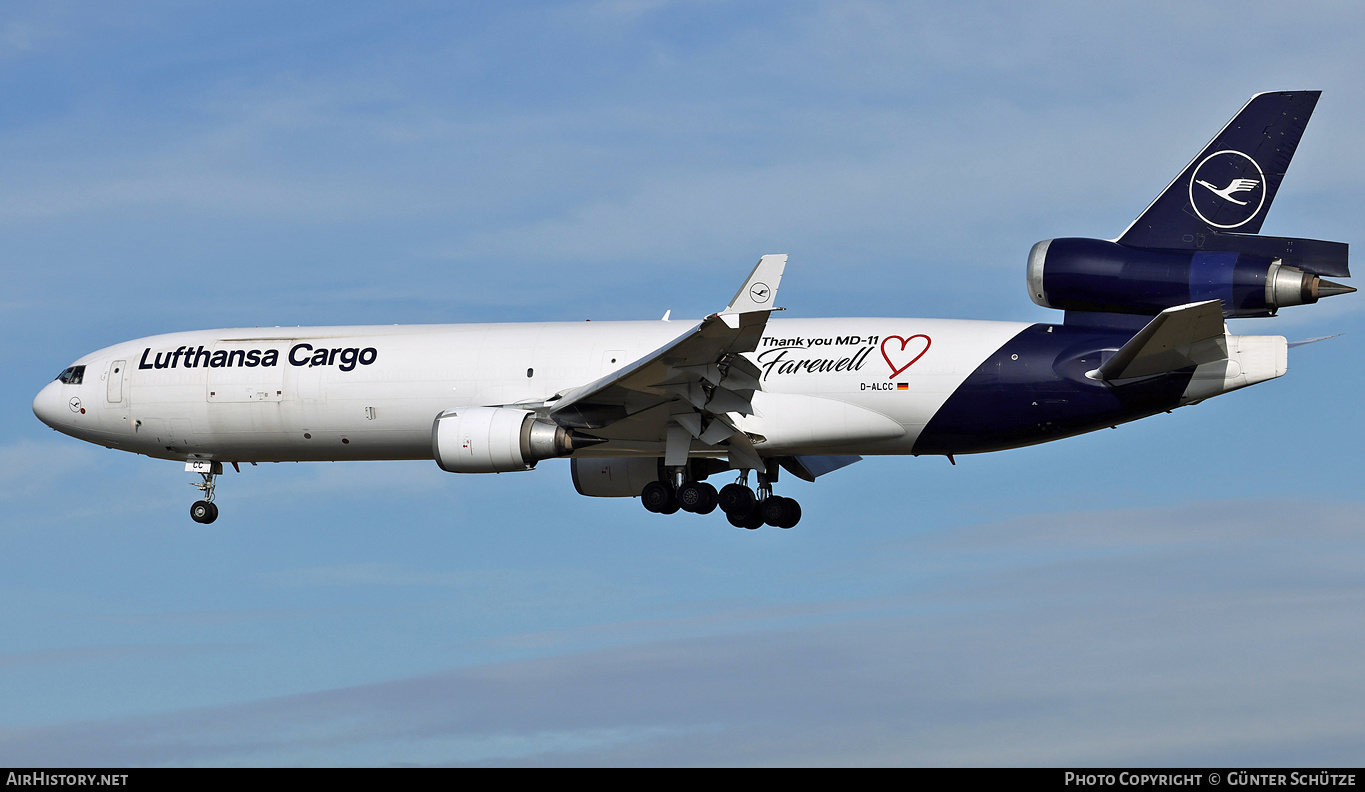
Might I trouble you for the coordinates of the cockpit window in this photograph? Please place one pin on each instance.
(72, 376)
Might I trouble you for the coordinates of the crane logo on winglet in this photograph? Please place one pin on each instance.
(1235, 204)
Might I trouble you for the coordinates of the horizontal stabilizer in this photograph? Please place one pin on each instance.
(1177, 338)
(1316, 256)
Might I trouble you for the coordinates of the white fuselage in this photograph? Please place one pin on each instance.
(862, 385)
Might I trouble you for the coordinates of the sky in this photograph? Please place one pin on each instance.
(1184, 590)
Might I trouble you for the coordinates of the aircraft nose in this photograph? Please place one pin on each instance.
(48, 405)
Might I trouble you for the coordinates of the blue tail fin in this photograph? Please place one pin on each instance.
(1228, 188)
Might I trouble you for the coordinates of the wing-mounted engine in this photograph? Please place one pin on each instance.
(1252, 276)
(499, 440)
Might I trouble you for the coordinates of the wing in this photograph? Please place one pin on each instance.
(687, 388)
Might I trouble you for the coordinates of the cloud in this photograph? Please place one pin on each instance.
(1185, 635)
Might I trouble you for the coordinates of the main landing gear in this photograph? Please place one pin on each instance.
(204, 511)
(742, 507)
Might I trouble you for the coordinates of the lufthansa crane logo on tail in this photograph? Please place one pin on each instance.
(759, 292)
(1227, 189)
(1238, 185)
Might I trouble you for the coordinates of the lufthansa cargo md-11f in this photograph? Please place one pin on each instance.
(644, 410)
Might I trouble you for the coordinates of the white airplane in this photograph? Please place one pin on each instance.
(645, 410)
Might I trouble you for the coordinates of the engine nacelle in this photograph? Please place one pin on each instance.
(613, 477)
(498, 440)
(1095, 275)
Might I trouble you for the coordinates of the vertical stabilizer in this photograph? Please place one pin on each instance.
(1229, 186)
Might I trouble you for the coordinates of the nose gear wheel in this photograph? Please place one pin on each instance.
(203, 512)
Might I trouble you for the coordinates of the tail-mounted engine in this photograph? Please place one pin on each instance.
(499, 440)
(1255, 277)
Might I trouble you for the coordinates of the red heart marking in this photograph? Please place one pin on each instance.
(895, 371)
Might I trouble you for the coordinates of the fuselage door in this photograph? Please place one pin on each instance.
(114, 392)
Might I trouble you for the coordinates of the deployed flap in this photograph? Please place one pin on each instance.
(1179, 337)
(697, 381)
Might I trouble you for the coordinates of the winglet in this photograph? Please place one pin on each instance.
(759, 291)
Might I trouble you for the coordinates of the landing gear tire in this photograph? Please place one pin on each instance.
(751, 519)
(780, 512)
(736, 499)
(203, 512)
(657, 497)
(697, 497)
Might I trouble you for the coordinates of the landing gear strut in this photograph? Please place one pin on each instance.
(204, 511)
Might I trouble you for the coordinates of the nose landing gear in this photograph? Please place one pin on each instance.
(204, 511)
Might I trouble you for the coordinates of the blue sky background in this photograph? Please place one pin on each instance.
(1184, 590)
